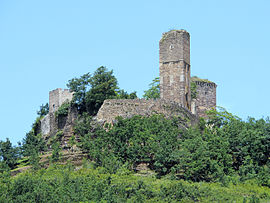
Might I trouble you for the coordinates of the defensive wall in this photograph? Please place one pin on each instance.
(127, 108)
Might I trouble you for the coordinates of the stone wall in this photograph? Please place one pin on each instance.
(174, 46)
(174, 67)
(61, 123)
(127, 108)
(205, 98)
(57, 97)
(51, 124)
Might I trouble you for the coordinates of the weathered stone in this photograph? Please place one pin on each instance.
(45, 125)
(51, 124)
(174, 67)
(205, 97)
(57, 97)
(127, 108)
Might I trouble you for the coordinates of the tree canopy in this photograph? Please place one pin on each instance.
(90, 91)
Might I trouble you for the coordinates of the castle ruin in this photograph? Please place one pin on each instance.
(175, 91)
(174, 67)
(51, 123)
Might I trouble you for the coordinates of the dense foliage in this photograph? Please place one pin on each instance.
(216, 150)
(152, 140)
(91, 91)
(8, 155)
(63, 110)
(221, 159)
(65, 184)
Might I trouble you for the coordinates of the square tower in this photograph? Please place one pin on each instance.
(174, 67)
(57, 97)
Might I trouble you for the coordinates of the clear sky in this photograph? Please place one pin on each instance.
(43, 44)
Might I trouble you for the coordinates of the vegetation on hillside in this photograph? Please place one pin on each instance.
(89, 184)
(222, 159)
(220, 149)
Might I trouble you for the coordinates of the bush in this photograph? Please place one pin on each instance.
(63, 110)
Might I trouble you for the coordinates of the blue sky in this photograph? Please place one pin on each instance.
(43, 44)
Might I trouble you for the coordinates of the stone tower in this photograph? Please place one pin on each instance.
(174, 67)
(57, 97)
(205, 96)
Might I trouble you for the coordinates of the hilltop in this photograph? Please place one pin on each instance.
(97, 142)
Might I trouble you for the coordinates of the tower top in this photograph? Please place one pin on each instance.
(175, 46)
(179, 31)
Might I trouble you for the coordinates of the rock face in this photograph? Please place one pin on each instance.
(45, 125)
(127, 108)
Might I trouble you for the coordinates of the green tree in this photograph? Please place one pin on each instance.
(103, 86)
(44, 110)
(204, 155)
(91, 91)
(56, 153)
(80, 86)
(8, 154)
(72, 142)
(34, 159)
(33, 142)
(152, 140)
(122, 94)
(154, 90)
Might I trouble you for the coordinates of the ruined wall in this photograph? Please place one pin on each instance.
(174, 67)
(205, 98)
(51, 124)
(127, 108)
(66, 124)
(57, 97)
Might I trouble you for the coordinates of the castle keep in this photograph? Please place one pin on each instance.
(51, 123)
(174, 67)
(175, 92)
